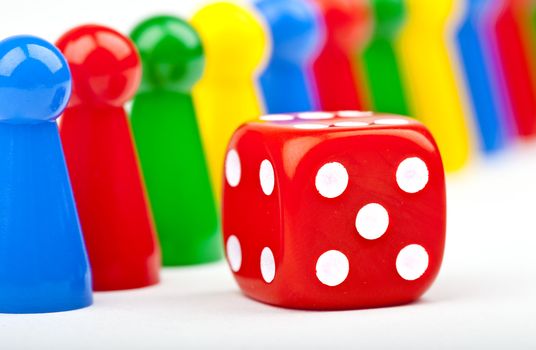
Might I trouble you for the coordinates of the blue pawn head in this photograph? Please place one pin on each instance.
(478, 6)
(296, 28)
(35, 81)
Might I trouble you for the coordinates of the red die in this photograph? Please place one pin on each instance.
(334, 210)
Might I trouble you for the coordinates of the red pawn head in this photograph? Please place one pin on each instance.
(105, 65)
(348, 22)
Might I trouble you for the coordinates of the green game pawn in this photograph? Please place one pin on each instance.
(380, 61)
(169, 144)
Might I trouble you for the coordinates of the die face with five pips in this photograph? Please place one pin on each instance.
(337, 210)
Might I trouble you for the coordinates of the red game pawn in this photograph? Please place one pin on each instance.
(102, 161)
(340, 84)
(515, 62)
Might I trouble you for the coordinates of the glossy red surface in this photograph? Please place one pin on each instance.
(348, 26)
(102, 161)
(514, 59)
(106, 65)
(299, 224)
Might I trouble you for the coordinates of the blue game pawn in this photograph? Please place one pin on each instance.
(43, 261)
(297, 33)
(484, 89)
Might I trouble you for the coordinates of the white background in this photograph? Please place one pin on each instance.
(483, 298)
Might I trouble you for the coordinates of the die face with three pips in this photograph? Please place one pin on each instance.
(334, 211)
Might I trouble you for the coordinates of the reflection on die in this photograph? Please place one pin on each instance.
(334, 211)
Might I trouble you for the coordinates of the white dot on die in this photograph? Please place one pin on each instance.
(412, 175)
(267, 177)
(234, 253)
(332, 268)
(277, 117)
(315, 115)
(267, 265)
(372, 221)
(311, 126)
(354, 114)
(412, 262)
(233, 170)
(331, 180)
(351, 124)
(391, 121)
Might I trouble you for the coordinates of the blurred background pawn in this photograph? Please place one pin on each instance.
(297, 32)
(429, 75)
(508, 22)
(381, 64)
(102, 160)
(338, 76)
(482, 83)
(168, 140)
(43, 261)
(236, 49)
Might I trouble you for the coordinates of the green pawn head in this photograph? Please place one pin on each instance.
(171, 52)
(389, 16)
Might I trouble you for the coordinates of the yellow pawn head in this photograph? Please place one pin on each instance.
(235, 40)
(430, 12)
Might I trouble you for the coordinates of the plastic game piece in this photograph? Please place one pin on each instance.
(43, 261)
(236, 45)
(514, 61)
(169, 143)
(528, 17)
(380, 62)
(113, 208)
(321, 227)
(491, 51)
(297, 32)
(338, 77)
(480, 78)
(430, 81)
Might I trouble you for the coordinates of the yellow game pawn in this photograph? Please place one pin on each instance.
(430, 78)
(236, 46)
